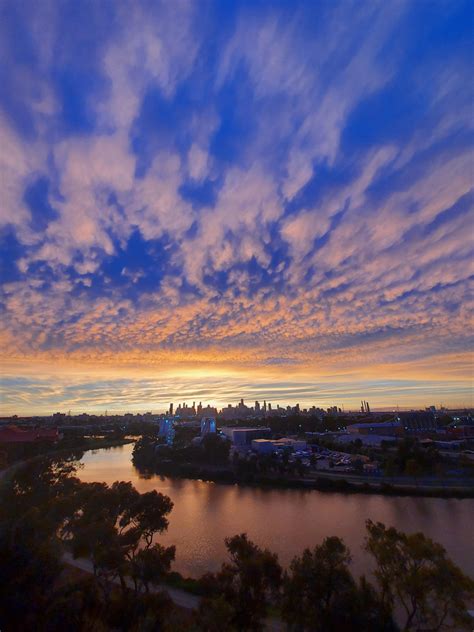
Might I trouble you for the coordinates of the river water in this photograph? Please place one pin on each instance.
(285, 521)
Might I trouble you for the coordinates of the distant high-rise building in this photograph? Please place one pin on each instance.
(257, 407)
(167, 430)
(171, 409)
(208, 426)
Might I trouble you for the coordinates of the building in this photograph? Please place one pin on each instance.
(167, 430)
(14, 434)
(368, 440)
(208, 426)
(418, 422)
(385, 428)
(461, 428)
(267, 446)
(183, 411)
(242, 437)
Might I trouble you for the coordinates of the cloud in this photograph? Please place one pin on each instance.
(283, 189)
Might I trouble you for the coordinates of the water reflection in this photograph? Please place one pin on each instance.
(285, 521)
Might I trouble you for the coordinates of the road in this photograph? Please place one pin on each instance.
(179, 597)
(402, 482)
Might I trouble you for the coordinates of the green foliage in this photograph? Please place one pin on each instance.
(412, 459)
(43, 507)
(248, 583)
(139, 612)
(215, 614)
(150, 565)
(415, 573)
(320, 594)
(149, 454)
(216, 450)
(76, 606)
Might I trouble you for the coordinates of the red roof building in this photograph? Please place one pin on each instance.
(13, 434)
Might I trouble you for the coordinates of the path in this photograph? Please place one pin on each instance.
(181, 598)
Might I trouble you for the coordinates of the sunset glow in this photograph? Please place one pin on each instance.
(208, 201)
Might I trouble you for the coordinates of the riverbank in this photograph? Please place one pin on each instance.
(73, 446)
(280, 518)
(321, 481)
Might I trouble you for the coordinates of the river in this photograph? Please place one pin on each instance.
(285, 521)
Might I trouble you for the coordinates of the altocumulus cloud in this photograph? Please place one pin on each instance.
(237, 185)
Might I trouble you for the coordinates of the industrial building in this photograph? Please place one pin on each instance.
(267, 446)
(385, 428)
(416, 422)
(242, 437)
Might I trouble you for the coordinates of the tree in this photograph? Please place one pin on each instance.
(112, 526)
(76, 606)
(414, 572)
(215, 614)
(413, 468)
(216, 449)
(150, 565)
(248, 583)
(147, 514)
(300, 468)
(30, 566)
(320, 594)
(43, 507)
(139, 612)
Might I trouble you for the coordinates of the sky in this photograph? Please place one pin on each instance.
(214, 200)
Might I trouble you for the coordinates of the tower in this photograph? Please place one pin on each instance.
(208, 426)
(167, 430)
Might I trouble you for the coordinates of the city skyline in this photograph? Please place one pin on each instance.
(274, 399)
(209, 201)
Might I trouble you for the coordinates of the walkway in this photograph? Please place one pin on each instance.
(179, 597)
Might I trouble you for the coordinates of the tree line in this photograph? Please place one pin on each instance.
(46, 510)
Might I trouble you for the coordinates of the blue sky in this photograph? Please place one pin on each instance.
(264, 192)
